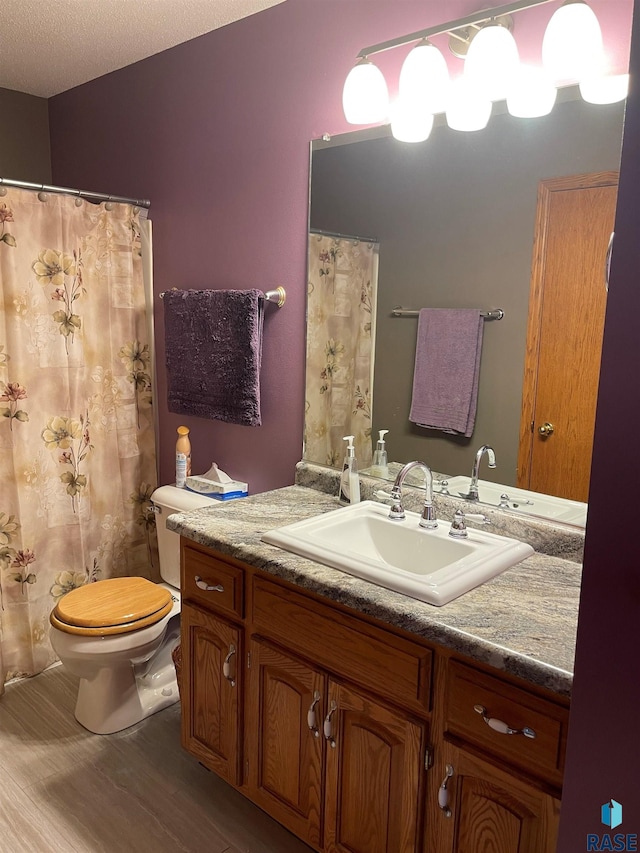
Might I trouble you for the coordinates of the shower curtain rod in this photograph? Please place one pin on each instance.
(90, 196)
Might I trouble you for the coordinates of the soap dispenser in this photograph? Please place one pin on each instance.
(380, 468)
(349, 480)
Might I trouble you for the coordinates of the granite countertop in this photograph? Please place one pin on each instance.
(522, 622)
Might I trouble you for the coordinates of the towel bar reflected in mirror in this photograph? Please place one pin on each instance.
(495, 314)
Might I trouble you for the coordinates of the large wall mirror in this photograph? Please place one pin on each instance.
(455, 220)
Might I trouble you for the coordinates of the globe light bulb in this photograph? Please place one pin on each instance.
(572, 44)
(492, 60)
(608, 89)
(365, 97)
(424, 77)
(467, 109)
(532, 93)
(410, 122)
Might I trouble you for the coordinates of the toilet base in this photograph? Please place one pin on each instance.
(115, 699)
(119, 696)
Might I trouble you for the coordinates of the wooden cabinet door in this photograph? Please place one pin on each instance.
(210, 691)
(491, 811)
(374, 771)
(286, 703)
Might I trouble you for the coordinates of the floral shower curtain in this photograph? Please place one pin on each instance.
(341, 310)
(77, 448)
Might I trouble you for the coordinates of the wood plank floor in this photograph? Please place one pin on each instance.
(65, 790)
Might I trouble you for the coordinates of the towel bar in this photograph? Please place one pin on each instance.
(278, 296)
(495, 314)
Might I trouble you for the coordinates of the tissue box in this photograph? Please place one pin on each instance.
(219, 491)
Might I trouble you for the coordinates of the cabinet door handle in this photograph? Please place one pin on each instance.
(226, 666)
(328, 726)
(311, 714)
(201, 584)
(500, 726)
(443, 792)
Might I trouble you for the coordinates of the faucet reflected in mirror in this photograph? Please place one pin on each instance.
(455, 222)
(472, 494)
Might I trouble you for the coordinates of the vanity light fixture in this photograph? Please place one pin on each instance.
(572, 52)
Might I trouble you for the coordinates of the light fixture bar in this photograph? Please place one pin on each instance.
(460, 23)
(457, 35)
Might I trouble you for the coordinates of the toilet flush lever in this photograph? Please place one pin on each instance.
(202, 584)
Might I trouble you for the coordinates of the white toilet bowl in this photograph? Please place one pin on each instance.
(117, 635)
(124, 677)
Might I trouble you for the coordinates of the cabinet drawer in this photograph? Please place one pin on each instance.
(542, 755)
(369, 656)
(226, 582)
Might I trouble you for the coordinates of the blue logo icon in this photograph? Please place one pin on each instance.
(611, 814)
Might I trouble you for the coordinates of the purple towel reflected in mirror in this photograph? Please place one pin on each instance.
(213, 346)
(447, 369)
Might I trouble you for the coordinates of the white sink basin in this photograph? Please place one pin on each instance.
(429, 565)
(521, 500)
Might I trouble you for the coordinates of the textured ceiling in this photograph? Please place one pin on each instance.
(49, 46)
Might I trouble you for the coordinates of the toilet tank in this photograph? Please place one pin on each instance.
(167, 500)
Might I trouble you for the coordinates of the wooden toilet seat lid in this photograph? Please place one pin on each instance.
(115, 605)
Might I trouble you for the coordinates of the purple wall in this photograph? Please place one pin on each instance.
(603, 758)
(216, 132)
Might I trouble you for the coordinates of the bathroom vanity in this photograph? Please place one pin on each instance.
(361, 719)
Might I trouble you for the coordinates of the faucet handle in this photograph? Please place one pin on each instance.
(396, 513)
(458, 525)
(444, 487)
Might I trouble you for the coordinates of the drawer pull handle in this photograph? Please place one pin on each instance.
(328, 727)
(311, 714)
(499, 726)
(208, 587)
(226, 666)
(443, 792)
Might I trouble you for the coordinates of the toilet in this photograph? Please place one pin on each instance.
(117, 634)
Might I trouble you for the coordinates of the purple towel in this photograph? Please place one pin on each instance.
(213, 345)
(445, 378)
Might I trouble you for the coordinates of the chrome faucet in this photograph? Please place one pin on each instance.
(473, 485)
(428, 518)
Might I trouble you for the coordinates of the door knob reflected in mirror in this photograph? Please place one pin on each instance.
(545, 429)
